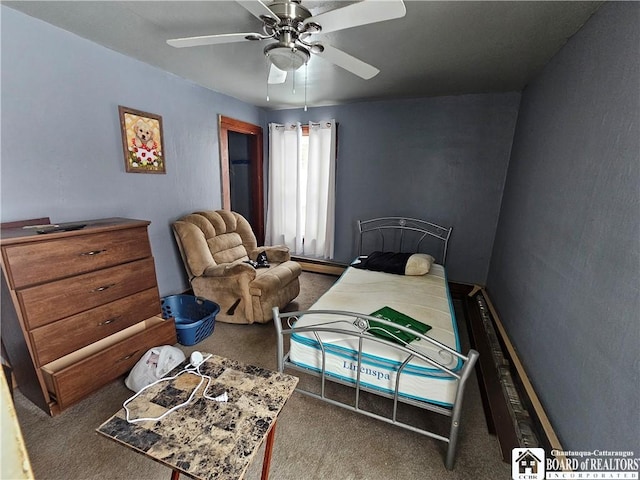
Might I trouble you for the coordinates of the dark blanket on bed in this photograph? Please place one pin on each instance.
(389, 262)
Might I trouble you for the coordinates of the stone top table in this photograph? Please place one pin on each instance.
(206, 439)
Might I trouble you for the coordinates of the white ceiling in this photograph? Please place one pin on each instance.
(438, 48)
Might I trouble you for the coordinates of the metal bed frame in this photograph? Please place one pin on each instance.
(344, 323)
(400, 229)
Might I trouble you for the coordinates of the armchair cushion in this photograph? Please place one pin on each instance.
(277, 253)
(227, 248)
(214, 246)
(192, 240)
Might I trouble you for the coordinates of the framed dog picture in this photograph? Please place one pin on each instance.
(142, 141)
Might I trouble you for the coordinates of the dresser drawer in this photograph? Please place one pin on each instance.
(47, 303)
(43, 261)
(76, 375)
(57, 339)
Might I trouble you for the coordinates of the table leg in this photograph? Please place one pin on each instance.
(268, 449)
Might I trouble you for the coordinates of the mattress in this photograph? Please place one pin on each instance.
(425, 298)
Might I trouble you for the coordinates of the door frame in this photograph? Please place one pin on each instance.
(226, 125)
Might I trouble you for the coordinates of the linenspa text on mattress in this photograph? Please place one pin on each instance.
(366, 370)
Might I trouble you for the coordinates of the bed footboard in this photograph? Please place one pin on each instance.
(363, 333)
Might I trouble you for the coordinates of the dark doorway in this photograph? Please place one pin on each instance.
(241, 171)
(240, 174)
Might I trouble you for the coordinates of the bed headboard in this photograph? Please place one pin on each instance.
(403, 234)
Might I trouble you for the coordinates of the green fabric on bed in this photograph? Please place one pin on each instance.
(393, 334)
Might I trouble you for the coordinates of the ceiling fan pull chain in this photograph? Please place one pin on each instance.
(268, 65)
(306, 65)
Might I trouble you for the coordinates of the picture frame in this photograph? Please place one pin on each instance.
(142, 141)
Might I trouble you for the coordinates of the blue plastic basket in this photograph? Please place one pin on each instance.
(195, 317)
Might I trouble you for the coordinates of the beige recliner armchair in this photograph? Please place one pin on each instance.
(215, 246)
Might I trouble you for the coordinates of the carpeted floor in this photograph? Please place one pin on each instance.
(314, 440)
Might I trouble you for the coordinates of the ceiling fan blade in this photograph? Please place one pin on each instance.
(348, 62)
(276, 75)
(257, 8)
(361, 13)
(209, 39)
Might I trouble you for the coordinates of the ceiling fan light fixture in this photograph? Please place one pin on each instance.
(316, 48)
(287, 58)
(311, 28)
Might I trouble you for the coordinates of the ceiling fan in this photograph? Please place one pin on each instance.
(291, 26)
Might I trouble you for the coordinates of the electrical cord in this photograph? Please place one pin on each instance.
(193, 368)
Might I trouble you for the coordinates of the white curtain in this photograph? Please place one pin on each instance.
(301, 202)
(282, 203)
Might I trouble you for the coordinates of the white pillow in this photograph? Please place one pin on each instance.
(418, 264)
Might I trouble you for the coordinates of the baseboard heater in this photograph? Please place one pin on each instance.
(320, 266)
(512, 408)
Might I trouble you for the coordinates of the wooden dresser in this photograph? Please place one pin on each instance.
(79, 307)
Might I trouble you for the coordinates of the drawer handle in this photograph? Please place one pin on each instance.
(107, 322)
(92, 253)
(128, 356)
(103, 288)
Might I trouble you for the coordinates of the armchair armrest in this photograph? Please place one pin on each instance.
(231, 269)
(275, 254)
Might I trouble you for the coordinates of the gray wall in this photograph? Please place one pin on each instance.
(565, 273)
(61, 144)
(443, 159)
